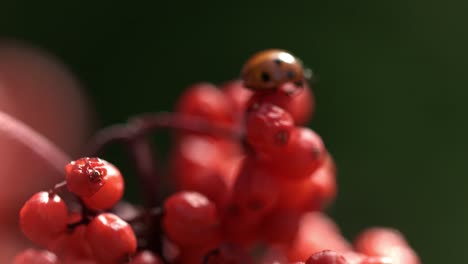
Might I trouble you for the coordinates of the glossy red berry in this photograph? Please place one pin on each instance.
(146, 257)
(304, 154)
(72, 246)
(326, 257)
(228, 254)
(296, 100)
(43, 218)
(386, 242)
(238, 94)
(197, 165)
(34, 256)
(314, 192)
(205, 100)
(111, 239)
(281, 226)
(191, 219)
(378, 260)
(109, 194)
(268, 128)
(85, 176)
(254, 195)
(316, 233)
(270, 68)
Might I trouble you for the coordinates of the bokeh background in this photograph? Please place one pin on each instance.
(391, 96)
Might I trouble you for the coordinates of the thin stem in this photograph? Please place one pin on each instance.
(107, 136)
(145, 161)
(146, 124)
(143, 215)
(150, 122)
(34, 141)
(59, 187)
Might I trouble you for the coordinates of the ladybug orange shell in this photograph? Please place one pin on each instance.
(270, 68)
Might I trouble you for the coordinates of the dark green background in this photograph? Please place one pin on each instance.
(391, 94)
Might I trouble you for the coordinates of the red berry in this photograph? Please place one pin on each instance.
(43, 218)
(146, 257)
(386, 242)
(191, 219)
(268, 128)
(206, 101)
(379, 260)
(312, 193)
(253, 196)
(85, 176)
(281, 226)
(197, 165)
(296, 100)
(109, 194)
(326, 257)
(72, 246)
(274, 255)
(316, 232)
(323, 181)
(303, 155)
(238, 94)
(111, 239)
(33, 256)
(228, 254)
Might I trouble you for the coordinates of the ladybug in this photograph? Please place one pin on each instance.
(270, 68)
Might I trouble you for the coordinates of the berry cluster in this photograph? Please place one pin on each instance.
(251, 183)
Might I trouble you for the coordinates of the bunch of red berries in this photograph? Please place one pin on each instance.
(250, 181)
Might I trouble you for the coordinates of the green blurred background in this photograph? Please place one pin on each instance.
(391, 95)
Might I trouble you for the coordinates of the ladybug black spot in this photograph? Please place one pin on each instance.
(265, 77)
(291, 74)
(278, 62)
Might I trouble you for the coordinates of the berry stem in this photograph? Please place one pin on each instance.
(37, 143)
(143, 215)
(145, 124)
(144, 160)
(150, 122)
(59, 186)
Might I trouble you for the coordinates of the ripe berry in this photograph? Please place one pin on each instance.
(238, 94)
(73, 245)
(386, 242)
(109, 194)
(281, 226)
(191, 219)
(312, 193)
(268, 128)
(326, 257)
(253, 196)
(228, 254)
(316, 232)
(296, 100)
(324, 182)
(111, 239)
(303, 155)
(43, 218)
(85, 176)
(146, 257)
(206, 101)
(379, 260)
(197, 165)
(34, 256)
